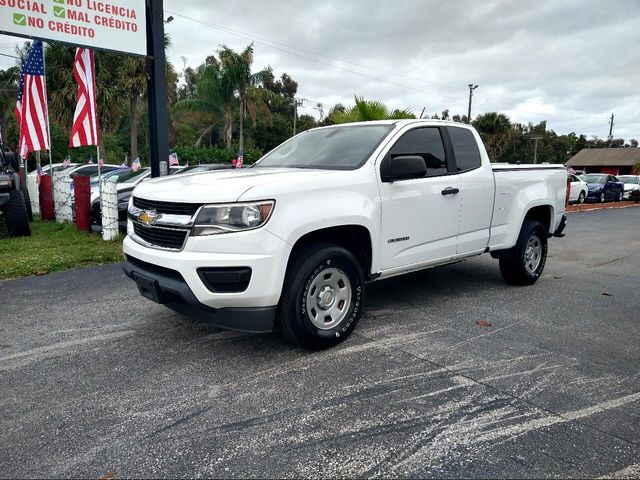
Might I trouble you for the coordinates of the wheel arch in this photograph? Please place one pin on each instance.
(354, 238)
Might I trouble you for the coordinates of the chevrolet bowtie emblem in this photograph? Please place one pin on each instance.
(148, 217)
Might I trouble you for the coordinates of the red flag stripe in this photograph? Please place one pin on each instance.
(85, 121)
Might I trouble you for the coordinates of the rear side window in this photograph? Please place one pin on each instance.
(427, 143)
(465, 149)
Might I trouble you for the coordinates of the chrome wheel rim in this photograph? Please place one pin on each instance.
(533, 254)
(581, 198)
(329, 298)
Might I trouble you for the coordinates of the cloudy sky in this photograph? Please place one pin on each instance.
(572, 63)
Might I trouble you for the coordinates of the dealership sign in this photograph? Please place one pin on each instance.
(117, 25)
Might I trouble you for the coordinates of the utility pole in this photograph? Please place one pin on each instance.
(535, 148)
(610, 130)
(296, 103)
(472, 87)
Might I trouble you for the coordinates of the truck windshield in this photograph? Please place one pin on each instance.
(333, 148)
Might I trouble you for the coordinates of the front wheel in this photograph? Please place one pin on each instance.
(322, 296)
(523, 264)
(602, 197)
(619, 197)
(581, 198)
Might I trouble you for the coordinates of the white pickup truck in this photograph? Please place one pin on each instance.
(290, 243)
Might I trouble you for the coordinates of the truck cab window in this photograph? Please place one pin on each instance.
(465, 149)
(427, 143)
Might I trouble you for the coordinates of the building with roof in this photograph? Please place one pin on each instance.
(613, 161)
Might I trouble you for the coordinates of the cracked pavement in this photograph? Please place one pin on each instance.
(451, 373)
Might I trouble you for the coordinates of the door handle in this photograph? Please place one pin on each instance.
(450, 191)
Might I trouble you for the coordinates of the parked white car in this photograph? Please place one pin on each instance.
(290, 243)
(631, 182)
(57, 167)
(579, 189)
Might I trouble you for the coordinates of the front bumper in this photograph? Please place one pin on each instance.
(261, 251)
(167, 287)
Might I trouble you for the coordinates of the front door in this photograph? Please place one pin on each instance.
(420, 217)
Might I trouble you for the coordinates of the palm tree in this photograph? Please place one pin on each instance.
(133, 77)
(367, 110)
(214, 96)
(236, 68)
(496, 131)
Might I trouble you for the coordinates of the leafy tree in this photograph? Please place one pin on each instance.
(8, 95)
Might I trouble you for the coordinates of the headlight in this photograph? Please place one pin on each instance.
(232, 217)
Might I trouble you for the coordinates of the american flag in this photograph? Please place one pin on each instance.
(101, 162)
(31, 107)
(173, 159)
(85, 119)
(66, 162)
(135, 165)
(125, 164)
(240, 160)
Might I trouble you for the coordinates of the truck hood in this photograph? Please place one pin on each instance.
(222, 185)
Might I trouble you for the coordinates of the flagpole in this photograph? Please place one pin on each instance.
(99, 176)
(46, 96)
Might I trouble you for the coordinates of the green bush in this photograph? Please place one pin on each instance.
(194, 155)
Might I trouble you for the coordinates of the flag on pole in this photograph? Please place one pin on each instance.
(125, 164)
(101, 162)
(31, 106)
(85, 119)
(135, 165)
(67, 161)
(90, 159)
(173, 159)
(239, 161)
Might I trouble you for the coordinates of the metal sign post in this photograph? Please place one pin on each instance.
(157, 87)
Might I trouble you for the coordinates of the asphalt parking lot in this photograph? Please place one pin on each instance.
(451, 373)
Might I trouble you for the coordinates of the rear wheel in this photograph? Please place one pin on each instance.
(17, 215)
(602, 197)
(581, 197)
(619, 197)
(322, 296)
(523, 264)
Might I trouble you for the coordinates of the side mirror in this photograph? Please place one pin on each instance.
(404, 167)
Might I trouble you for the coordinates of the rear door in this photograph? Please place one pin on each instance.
(420, 217)
(477, 191)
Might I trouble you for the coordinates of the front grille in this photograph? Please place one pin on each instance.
(166, 207)
(161, 237)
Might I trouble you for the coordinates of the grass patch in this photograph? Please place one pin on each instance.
(53, 247)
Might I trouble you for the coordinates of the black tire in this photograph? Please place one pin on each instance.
(514, 262)
(17, 216)
(603, 197)
(304, 272)
(27, 201)
(619, 197)
(581, 198)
